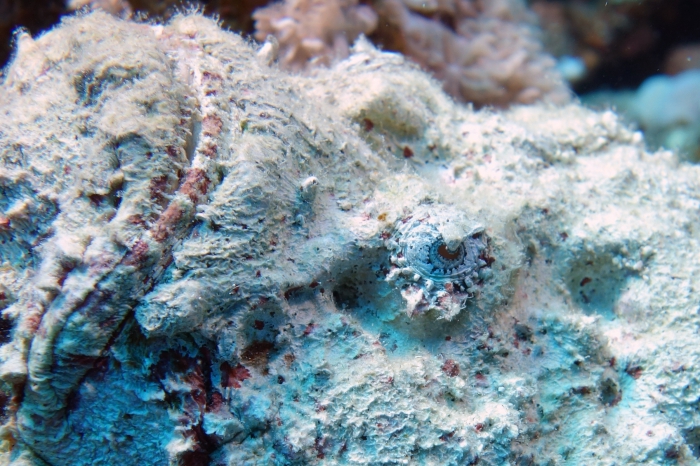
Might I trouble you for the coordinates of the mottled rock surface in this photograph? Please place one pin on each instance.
(203, 263)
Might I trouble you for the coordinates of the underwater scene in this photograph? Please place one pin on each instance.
(349, 232)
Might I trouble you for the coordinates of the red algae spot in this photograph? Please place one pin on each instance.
(33, 320)
(233, 376)
(210, 150)
(166, 222)
(137, 254)
(216, 402)
(136, 219)
(208, 76)
(211, 125)
(634, 371)
(158, 187)
(451, 368)
(407, 152)
(173, 152)
(196, 184)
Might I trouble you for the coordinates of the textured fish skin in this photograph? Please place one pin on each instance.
(201, 264)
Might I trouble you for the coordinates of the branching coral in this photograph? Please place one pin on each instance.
(485, 52)
(115, 7)
(314, 31)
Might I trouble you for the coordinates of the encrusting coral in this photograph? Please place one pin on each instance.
(200, 259)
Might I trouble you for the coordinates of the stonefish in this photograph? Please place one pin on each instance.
(206, 260)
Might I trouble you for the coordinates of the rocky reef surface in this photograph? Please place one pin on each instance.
(207, 260)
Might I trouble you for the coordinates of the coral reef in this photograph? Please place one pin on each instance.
(621, 43)
(682, 58)
(666, 108)
(313, 32)
(590, 30)
(115, 7)
(486, 53)
(201, 252)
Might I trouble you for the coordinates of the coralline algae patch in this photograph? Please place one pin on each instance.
(206, 260)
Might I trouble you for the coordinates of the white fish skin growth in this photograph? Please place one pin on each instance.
(206, 260)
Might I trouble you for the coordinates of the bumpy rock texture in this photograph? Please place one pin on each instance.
(206, 260)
